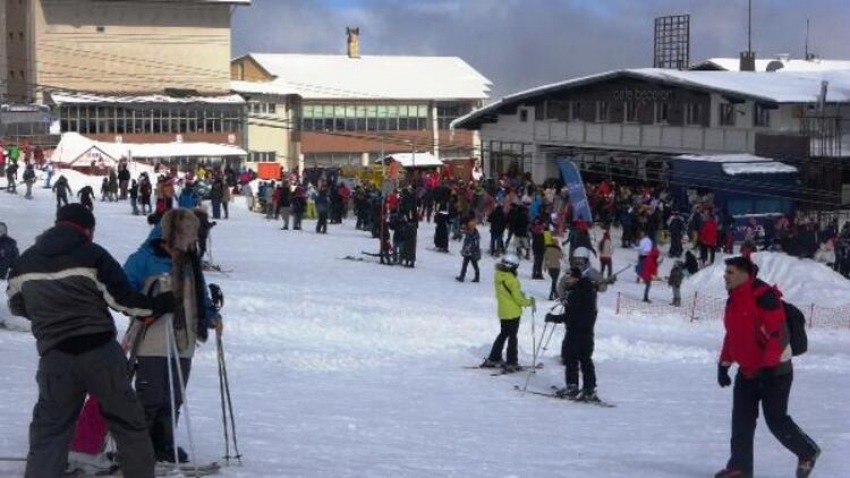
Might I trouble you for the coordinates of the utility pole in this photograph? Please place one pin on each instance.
(749, 25)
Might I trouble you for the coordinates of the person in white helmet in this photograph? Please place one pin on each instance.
(511, 301)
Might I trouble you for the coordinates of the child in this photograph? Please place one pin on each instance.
(511, 300)
(552, 262)
(677, 275)
(606, 253)
(471, 250)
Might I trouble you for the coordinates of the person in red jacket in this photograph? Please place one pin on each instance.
(649, 269)
(708, 240)
(757, 339)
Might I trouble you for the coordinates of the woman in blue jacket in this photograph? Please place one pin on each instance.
(168, 260)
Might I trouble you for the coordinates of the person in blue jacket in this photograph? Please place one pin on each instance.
(168, 261)
(188, 198)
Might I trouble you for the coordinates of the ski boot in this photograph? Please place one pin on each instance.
(511, 368)
(90, 464)
(488, 363)
(732, 473)
(805, 467)
(588, 396)
(570, 392)
(167, 455)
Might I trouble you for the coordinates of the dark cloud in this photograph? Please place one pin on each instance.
(525, 43)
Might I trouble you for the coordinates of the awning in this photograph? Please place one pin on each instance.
(414, 160)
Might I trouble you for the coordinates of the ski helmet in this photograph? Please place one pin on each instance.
(581, 253)
(510, 260)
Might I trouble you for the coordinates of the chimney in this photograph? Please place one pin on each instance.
(748, 61)
(353, 41)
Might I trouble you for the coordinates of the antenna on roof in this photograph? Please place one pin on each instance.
(748, 58)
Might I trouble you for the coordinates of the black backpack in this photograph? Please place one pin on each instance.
(797, 329)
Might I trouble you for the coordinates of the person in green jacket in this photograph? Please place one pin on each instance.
(511, 300)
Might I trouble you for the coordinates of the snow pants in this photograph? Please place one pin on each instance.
(510, 328)
(497, 244)
(578, 353)
(216, 209)
(63, 381)
(465, 265)
(773, 393)
(284, 214)
(553, 291)
(155, 396)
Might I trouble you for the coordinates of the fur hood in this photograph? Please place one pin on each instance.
(180, 229)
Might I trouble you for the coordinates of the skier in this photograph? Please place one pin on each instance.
(104, 189)
(188, 198)
(441, 232)
(471, 250)
(123, 180)
(216, 196)
(606, 254)
(62, 190)
(86, 196)
(498, 221)
(29, 179)
(134, 197)
(322, 204)
(510, 300)
(170, 256)
(299, 207)
(8, 250)
(649, 269)
(708, 240)
(145, 191)
(64, 285)
(580, 319)
(676, 225)
(677, 275)
(758, 340)
(538, 247)
(408, 252)
(552, 262)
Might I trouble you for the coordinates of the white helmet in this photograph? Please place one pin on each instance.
(510, 260)
(581, 253)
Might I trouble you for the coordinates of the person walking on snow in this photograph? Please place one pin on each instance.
(65, 285)
(580, 319)
(29, 179)
(649, 269)
(677, 275)
(708, 240)
(8, 251)
(552, 259)
(758, 339)
(511, 301)
(62, 190)
(170, 257)
(471, 250)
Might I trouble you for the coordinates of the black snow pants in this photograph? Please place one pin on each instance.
(510, 328)
(773, 393)
(578, 353)
(155, 395)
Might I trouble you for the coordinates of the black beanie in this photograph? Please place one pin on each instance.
(575, 273)
(77, 214)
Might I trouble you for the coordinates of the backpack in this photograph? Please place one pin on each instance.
(797, 329)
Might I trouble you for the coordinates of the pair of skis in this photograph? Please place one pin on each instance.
(553, 393)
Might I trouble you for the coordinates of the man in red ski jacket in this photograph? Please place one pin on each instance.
(708, 240)
(757, 339)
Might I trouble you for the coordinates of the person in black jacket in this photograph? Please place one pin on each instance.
(65, 285)
(498, 221)
(580, 318)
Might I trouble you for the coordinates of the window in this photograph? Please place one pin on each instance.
(632, 112)
(523, 115)
(662, 113)
(693, 114)
(761, 119)
(727, 114)
(446, 113)
(12, 74)
(262, 157)
(575, 110)
(603, 111)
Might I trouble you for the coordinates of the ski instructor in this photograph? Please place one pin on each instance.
(65, 285)
(758, 340)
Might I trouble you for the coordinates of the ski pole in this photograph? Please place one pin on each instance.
(534, 351)
(173, 353)
(238, 455)
(549, 339)
(223, 406)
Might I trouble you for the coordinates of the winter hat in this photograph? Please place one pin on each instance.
(180, 229)
(76, 214)
(575, 273)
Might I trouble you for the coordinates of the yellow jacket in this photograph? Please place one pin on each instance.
(509, 296)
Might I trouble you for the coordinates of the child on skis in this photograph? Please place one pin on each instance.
(580, 319)
(510, 300)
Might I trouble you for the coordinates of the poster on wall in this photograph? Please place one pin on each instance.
(575, 187)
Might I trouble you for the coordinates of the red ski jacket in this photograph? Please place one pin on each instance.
(708, 234)
(756, 334)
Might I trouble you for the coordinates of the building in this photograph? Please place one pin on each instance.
(780, 62)
(140, 71)
(356, 108)
(626, 124)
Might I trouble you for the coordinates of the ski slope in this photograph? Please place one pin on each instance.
(351, 369)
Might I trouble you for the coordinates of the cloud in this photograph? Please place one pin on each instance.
(525, 43)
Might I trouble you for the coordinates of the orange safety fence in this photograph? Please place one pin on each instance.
(704, 307)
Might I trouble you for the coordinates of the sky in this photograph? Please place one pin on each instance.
(520, 44)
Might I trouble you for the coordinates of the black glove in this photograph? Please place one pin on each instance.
(555, 318)
(723, 378)
(164, 303)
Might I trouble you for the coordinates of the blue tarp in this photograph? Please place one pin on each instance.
(575, 187)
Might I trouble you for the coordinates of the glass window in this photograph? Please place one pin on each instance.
(662, 113)
(727, 114)
(693, 114)
(603, 111)
(382, 111)
(762, 116)
(272, 108)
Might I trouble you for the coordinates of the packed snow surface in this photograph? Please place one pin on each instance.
(351, 369)
(802, 281)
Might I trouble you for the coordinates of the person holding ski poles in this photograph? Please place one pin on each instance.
(168, 263)
(580, 318)
(511, 301)
(65, 285)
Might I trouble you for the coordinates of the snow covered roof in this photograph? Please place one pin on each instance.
(74, 147)
(274, 88)
(773, 87)
(375, 77)
(417, 160)
(86, 98)
(788, 64)
(735, 164)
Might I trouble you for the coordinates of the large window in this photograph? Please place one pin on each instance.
(662, 113)
(693, 114)
(332, 159)
(169, 119)
(262, 157)
(632, 112)
(364, 117)
(603, 111)
(448, 112)
(762, 116)
(727, 114)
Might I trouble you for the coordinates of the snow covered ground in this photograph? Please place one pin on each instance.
(352, 369)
